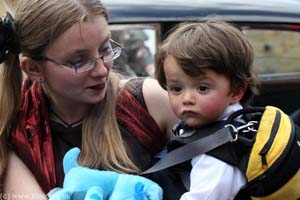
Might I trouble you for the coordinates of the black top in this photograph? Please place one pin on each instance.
(66, 137)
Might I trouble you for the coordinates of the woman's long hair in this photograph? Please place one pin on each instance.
(38, 23)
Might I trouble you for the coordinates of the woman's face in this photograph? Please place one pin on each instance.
(78, 44)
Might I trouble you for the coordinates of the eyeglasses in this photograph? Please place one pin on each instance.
(87, 65)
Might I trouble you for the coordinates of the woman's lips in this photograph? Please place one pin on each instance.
(97, 87)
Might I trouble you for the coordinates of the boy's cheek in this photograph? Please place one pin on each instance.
(212, 109)
(175, 105)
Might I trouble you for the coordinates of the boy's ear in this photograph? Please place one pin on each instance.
(238, 93)
(31, 68)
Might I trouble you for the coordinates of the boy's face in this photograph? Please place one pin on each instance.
(197, 100)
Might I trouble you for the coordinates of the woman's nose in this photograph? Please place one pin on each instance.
(101, 68)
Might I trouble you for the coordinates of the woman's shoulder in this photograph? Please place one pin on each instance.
(154, 93)
(149, 88)
(134, 87)
(125, 83)
(157, 101)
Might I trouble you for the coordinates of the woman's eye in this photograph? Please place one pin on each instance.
(76, 62)
(105, 49)
(203, 89)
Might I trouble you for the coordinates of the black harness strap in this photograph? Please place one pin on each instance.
(193, 149)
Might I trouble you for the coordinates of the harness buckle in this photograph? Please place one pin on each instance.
(249, 127)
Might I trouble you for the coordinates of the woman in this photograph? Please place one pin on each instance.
(71, 97)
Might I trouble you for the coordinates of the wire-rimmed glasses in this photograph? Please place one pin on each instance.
(88, 65)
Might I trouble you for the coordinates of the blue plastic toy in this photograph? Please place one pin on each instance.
(82, 183)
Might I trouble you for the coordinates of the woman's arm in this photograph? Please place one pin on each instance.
(19, 182)
(158, 105)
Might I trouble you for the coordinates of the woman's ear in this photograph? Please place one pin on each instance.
(31, 68)
(238, 93)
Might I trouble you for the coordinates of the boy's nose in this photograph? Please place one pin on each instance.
(188, 98)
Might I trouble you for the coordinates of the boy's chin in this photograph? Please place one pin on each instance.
(193, 123)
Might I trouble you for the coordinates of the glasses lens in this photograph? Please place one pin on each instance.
(86, 67)
(117, 52)
(107, 57)
(112, 55)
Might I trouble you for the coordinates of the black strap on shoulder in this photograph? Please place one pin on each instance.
(193, 149)
(244, 111)
(296, 117)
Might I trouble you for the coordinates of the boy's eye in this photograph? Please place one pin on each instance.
(175, 89)
(203, 89)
